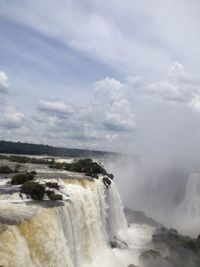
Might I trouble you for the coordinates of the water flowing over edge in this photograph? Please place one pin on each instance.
(76, 234)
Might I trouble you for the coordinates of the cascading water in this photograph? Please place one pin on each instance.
(187, 214)
(191, 203)
(75, 234)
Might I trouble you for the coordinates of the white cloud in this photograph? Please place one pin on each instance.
(177, 71)
(110, 87)
(120, 117)
(116, 110)
(127, 35)
(195, 103)
(134, 41)
(103, 120)
(4, 84)
(116, 122)
(112, 137)
(178, 88)
(12, 119)
(54, 106)
(167, 91)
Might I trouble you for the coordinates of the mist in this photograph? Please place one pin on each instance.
(163, 188)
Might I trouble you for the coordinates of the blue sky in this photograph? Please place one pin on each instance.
(121, 75)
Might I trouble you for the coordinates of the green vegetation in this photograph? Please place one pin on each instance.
(51, 194)
(27, 187)
(55, 197)
(6, 169)
(3, 157)
(87, 166)
(52, 185)
(24, 159)
(22, 178)
(34, 189)
(33, 149)
(37, 191)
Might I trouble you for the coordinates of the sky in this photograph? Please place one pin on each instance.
(118, 75)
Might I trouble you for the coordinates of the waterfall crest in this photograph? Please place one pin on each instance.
(75, 234)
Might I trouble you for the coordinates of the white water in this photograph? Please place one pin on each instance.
(187, 214)
(76, 234)
(191, 204)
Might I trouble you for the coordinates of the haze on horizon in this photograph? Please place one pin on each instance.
(115, 75)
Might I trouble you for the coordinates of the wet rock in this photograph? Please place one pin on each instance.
(153, 258)
(182, 251)
(107, 182)
(117, 243)
(135, 216)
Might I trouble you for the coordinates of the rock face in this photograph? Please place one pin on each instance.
(107, 182)
(153, 258)
(171, 250)
(134, 216)
(117, 243)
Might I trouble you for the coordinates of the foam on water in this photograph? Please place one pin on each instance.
(75, 234)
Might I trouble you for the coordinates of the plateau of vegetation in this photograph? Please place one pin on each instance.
(21, 178)
(87, 166)
(6, 169)
(24, 159)
(37, 190)
(34, 189)
(34, 149)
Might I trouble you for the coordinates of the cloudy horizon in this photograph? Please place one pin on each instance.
(118, 76)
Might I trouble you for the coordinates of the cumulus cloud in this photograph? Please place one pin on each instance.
(54, 107)
(110, 115)
(110, 87)
(4, 84)
(178, 88)
(116, 110)
(12, 119)
(132, 42)
(106, 117)
(115, 122)
(120, 117)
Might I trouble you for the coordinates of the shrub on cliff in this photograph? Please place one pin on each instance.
(5, 169)
(52, 185)
(22, 178)
(34, 189)
(49, 192)
(87, 166)
(52, 196)
(55, 197)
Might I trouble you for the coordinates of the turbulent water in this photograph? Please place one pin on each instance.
(75, 234)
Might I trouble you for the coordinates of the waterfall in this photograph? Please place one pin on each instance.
(75, 234)
(191, 203)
